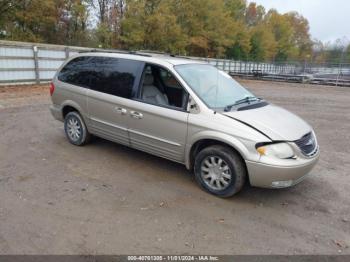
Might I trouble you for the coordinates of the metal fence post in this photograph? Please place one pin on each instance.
(66, 50)
(339, 73)
(36, 65)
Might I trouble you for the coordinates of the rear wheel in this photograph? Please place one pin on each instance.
(220, 170)
(75, 129)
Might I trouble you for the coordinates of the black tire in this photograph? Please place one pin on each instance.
(84, 137)
(231, 160)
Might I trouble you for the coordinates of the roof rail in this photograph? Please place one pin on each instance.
(153, 52)
(157, 53)
(147, 53)
(163, 53)
(116, 51)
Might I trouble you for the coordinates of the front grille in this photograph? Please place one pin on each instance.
(307, 144)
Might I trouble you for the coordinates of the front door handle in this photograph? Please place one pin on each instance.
(136, 115)
(121, 110)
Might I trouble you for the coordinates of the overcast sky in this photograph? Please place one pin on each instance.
(329, 19)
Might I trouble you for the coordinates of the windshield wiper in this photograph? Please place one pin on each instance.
(242, 101)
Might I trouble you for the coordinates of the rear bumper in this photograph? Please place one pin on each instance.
(272, 176)
(56, 112)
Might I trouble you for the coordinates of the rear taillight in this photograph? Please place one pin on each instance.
(52, 88)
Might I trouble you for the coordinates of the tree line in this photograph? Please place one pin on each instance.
(212, 28)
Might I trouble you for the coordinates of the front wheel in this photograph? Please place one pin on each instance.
(220, 170)
(75, 129)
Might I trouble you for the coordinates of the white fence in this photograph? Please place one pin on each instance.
(247, 67)
(35, 63)
(31, 63)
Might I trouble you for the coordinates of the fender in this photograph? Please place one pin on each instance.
(222, 137)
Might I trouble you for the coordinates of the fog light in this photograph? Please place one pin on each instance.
(281, 184)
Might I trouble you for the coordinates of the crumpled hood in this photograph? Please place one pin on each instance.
(275, 122)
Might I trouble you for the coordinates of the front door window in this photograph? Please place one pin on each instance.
(160, 87)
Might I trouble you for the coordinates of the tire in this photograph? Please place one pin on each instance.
(75, 129)
(214, 165)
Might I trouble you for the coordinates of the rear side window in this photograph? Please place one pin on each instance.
(77, 71)
(115, 76)
(108, 75)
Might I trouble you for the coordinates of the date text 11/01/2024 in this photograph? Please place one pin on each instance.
(173, 258)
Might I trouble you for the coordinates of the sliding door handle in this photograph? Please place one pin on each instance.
(136, 115)
(121, 110)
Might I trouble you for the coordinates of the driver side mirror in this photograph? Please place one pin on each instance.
(192, 106)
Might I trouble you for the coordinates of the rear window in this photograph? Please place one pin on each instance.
(108, 75)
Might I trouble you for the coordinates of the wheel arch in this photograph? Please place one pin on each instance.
(70, 106)
(213, 139)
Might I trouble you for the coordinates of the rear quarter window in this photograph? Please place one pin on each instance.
(77, 71)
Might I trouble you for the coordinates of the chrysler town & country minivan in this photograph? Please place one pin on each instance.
(185, 111)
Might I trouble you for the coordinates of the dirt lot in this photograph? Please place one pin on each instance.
(104, 198)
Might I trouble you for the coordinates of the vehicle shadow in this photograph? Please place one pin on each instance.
(160, 165)
(310, 193)
(165, 170)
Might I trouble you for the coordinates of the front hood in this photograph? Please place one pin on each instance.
(275, 122)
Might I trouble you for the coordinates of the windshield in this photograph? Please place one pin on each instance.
(216, 88)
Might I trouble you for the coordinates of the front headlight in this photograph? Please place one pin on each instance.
(279, 150)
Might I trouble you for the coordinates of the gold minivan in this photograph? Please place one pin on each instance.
(186, 111)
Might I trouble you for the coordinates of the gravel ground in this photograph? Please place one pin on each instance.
(105, 198)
